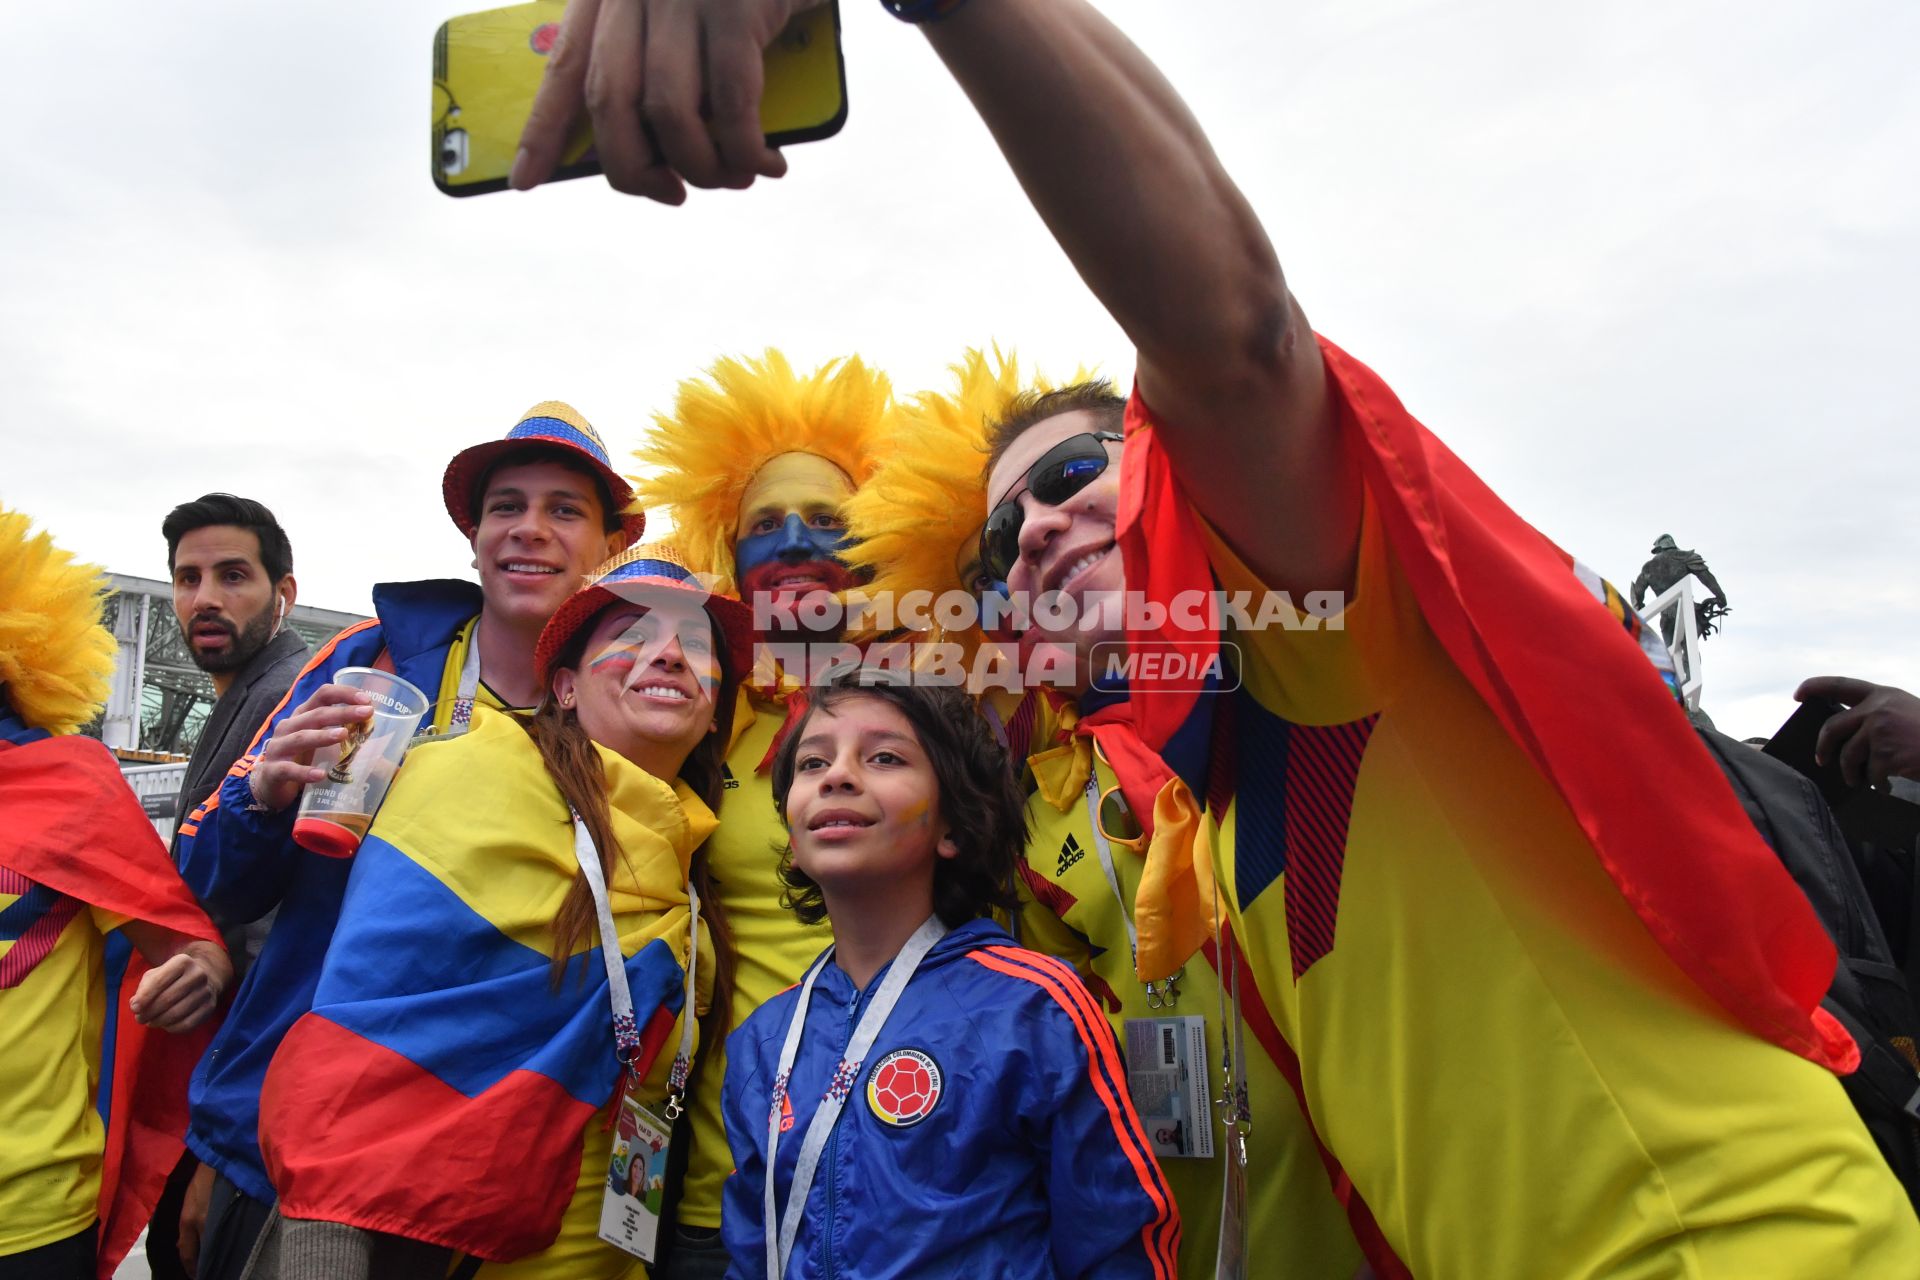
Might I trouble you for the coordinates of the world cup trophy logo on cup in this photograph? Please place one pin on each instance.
(335, 814)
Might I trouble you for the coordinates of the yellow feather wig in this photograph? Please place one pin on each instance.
(916, 521)
(56, 660)
(725, 427)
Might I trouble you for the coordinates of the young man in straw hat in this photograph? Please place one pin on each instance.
(91, 1105)
(756, 462)
(540, 508)
(1533, 1039)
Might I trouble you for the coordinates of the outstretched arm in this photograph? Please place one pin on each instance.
(1115, 165)
(1122, 175)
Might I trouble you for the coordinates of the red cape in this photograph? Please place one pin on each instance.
(1570, 687)
(74, 826)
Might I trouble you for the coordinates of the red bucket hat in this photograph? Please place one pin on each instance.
(550, 423)
(632, 577)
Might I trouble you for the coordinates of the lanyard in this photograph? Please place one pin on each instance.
(1236, 1112)
(820, 1128)
(1159, 996)
(462, 717)
(683, 1056)
(626, 1033)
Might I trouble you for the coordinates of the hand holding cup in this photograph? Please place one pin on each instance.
(286, 762)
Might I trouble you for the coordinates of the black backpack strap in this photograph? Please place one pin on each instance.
(1910, 963)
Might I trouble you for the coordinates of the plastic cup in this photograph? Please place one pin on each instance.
(335, 814)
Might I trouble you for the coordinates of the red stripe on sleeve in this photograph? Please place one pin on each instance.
(1160, 1237)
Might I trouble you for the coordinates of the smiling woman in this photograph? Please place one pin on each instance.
(578, 826)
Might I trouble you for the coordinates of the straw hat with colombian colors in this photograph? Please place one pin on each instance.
(548, 423)
(636, 576)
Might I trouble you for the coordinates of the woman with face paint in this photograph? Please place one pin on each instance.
(917, 527)
(524, 939)
(757, 462)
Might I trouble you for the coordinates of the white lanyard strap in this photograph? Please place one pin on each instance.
(1105, 850)
(462, 717)
(626, 1032)
(1159, 995)
(827, 1115)
(1236, 1111)
(683, 1057)
(626, 1035)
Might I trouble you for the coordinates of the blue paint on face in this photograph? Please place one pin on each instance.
(794, 542)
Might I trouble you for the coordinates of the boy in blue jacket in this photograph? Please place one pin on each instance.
(932, 1099)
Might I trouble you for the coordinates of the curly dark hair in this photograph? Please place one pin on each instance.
(978, 795)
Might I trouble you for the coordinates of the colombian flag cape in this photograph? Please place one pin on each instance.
(1566, 679)
(441, 1087)
(73, 825)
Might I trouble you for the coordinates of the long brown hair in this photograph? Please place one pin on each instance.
(575, 768)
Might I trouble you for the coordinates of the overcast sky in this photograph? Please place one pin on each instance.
(1648, 267)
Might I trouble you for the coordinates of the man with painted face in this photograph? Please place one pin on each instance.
(756, 462)
(790, 535)
(540, 509)
(1553, 1005)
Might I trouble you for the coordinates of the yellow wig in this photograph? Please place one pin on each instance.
(723, 429)
(917, 520)
(56, 660)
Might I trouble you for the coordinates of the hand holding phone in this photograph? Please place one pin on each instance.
(1876, 737)
(1797, 741)
(546, 91)
(1825, 739)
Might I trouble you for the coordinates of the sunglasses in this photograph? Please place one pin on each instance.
(1061, 472)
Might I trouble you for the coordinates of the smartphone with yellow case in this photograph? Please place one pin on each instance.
(487, 67)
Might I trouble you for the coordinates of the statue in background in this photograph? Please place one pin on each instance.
(1670, 563)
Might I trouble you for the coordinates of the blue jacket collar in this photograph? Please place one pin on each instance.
(834, 982)
(423, 617)
(15, 731)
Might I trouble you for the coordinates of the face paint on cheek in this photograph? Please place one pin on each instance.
(644, 642)
(916, 813)
(616, 661)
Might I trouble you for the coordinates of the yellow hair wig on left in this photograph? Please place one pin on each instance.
(56, 660)
(724, 428)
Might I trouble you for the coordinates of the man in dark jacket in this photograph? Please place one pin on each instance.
(233, 586)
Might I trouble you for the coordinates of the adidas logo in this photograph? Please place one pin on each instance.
(1070, 853)
(727, 781)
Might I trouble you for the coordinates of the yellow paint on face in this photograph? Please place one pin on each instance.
(803, 484)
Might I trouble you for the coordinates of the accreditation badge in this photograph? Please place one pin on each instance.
(1167, 1076)
(636, 1181)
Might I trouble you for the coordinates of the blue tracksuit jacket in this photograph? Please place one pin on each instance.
(1025, 1162)
(243, 864)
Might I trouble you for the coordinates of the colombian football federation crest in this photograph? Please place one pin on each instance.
(904, 1087)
